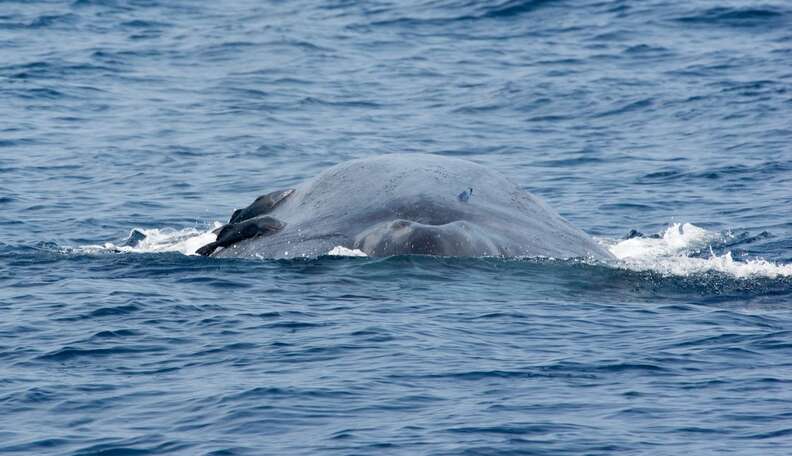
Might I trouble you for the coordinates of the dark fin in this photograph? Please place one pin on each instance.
(637, 234)
(264, 204)
(134, 238)
(207, 249)
(236, 215)
(634, 234)
(234, 232)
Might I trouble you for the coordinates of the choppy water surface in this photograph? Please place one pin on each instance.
(668, 118)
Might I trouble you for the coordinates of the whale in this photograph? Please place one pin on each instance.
(402, 204)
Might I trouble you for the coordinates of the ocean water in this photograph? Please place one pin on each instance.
(663, 129)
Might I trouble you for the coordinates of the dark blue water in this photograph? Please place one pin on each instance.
(672, 118)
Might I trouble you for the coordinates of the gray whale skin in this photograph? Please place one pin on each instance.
(403, 204)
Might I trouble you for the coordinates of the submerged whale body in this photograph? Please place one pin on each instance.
(402, 204)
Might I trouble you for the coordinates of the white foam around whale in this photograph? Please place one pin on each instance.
(157, 240)
(345, 252)
(670, 253)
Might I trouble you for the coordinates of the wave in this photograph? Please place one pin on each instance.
(683, 249)
(451, 11)
(737, 17)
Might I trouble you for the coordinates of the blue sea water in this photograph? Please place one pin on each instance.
(667, 118)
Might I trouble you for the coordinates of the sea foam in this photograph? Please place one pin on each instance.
(674, 252)
(158, 240)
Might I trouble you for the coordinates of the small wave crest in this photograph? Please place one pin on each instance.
(674, 251)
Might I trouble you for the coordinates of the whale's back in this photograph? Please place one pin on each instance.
(350, 198)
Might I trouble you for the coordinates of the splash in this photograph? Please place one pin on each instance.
(345, 252)
(670, 253)
(158, 240)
